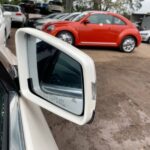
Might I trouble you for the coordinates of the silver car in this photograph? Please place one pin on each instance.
(145, 36)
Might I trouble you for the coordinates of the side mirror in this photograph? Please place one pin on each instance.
(56, 75)
(7, 14)
(86, 21)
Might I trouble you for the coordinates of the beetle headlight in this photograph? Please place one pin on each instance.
(51, 27)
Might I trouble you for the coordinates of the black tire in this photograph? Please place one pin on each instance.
(66, 36)
(128, 44)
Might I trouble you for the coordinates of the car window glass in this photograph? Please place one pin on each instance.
(100, 18)
(72, 17)
(59, 16)
(11, 8)
(51, 16)
(118, 21)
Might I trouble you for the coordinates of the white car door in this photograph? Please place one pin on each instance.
(56, 76)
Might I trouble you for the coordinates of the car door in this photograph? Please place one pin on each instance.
(56, 76)
(117, 27)
(96, 30)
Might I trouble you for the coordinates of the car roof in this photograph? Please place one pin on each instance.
(108, 13)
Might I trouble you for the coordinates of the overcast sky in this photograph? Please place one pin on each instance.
(145, 7)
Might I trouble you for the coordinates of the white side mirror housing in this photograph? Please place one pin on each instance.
(56, 76)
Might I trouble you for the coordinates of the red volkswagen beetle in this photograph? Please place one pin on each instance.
(97, 28)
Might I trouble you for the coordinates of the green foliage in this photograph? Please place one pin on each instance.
(119, 6)
(15, 2)
(4, 1)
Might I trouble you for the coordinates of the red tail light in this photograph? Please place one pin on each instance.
(18, 14)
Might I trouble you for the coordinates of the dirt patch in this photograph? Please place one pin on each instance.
(122, 120)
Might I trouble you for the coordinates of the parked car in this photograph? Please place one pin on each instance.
(55, 6)
(31, 18)
(18, 15)
(5, 26)
(47, 73)
(31, 22)
(145, 36)
(95, 28)
(43, 7)
(39, 23)
(28, 6)
(70, 16)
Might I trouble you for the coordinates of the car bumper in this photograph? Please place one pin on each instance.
(17, 19)
(144, 38)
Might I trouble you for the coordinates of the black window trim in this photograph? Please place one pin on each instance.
(9, 85)
(5, 138)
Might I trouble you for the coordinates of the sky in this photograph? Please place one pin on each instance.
(145, 7)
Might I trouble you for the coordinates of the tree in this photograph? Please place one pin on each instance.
(119, 6)
(15, 2)
(68, 5)
(3, 1)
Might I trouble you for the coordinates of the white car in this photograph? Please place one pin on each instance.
(145, 36)
(5, 26)
(17, 13)
(47, 73)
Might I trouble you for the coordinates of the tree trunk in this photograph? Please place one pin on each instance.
(68, 5)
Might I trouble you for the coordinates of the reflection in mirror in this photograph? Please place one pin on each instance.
(60, 78)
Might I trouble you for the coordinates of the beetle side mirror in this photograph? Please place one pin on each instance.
(56, 75)
(86, 21)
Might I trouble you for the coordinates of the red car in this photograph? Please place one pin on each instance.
(97, 28)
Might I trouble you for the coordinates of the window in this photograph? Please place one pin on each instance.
(118, 21)
(11, 8)
(3, 118)
(100, 18)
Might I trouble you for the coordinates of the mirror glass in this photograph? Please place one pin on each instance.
(60, 78)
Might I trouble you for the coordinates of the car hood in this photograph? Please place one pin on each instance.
(62, 22)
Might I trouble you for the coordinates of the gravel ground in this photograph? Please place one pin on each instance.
(122, 120)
